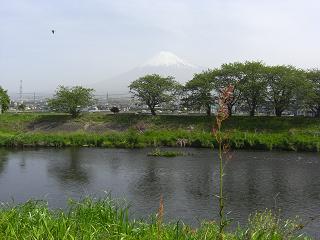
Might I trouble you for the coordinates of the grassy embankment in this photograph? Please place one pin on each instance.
(132, 131)
(104, 219)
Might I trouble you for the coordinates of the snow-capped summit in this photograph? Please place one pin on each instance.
(167, 59)
(164, 63)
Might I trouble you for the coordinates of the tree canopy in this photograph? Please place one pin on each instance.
(115, 109)
(253, 85)
(199, 92)
(4, 100)
(313, 95)
(256, 87)
(230, 74)
(71, 100)
(284, 85)
(154, 90)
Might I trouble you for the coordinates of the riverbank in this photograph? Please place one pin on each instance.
(136, 131)
(105, 219)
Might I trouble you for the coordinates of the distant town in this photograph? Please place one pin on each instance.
(38, 102)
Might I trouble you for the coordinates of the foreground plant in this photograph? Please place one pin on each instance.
(109, 219)
(267, 225)
(222, 114)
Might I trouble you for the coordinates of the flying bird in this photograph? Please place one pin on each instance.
(52, 31)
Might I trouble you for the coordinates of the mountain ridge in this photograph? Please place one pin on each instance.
(164, 63)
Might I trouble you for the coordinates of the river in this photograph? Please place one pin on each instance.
(288, 181)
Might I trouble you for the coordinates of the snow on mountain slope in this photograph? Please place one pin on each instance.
(167, 59)
(164, 63)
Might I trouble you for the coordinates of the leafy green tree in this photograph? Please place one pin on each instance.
(115, 110)
(71, 100)
(4, 100)
(230, 74)
(200, 91)
(21, 107)
(252, 85)
(285, 83)
(313, 95)
(154, 90)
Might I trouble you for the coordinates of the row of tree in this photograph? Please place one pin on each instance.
(256, 87)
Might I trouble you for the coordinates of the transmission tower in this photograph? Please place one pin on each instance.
(20, 92)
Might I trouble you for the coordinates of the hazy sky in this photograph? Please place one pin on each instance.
(97, 39)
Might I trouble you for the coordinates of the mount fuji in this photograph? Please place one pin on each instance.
(164, 63)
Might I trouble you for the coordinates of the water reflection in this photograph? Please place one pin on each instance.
(3, 159)
(153, 181)
(69, 169)
(23, 161)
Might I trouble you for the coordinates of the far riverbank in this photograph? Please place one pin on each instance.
(137, 131)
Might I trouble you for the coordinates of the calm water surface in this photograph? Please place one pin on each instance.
(254, 181)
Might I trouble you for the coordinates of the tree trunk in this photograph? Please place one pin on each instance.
(209, 110)
(278, 112)
(252, 112)
(317, 113)
(153, 112)
(230, 109)
(253, 107)
(74, 114)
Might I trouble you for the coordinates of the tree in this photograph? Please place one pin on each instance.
(115, 110)
(313, 96)
(253, 85)
(284, 85)
(154, 90)
(71, 100)
(21, 107)
(230, 74)
(4, 100)
(199, 91)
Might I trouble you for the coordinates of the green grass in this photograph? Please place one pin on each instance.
(134, 131)
(106, 219)
(163, 138)
(161, 153)
(15, 122)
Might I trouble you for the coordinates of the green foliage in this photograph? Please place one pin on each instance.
(71, 100)
(21, 107)
(285, 84)
(313, 94)
(115, 110)
(153, 90)
(293, 141)
(4, 100)
(256, 87)
(266, 133)
(160, 153)
(253, 85)
(199, 91)
(230, 74)
(267, 225)
(109, 219)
